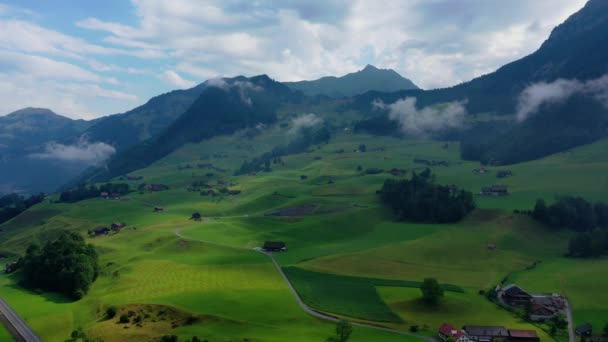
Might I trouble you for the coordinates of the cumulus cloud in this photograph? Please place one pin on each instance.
(175, 79)
(292, 40)
(533, 97)
(304, 121)
(421, 122)
(91, 153)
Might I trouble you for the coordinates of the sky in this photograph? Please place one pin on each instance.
(86, 59)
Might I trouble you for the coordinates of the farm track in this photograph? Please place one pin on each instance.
(17, 327)
(299, 300)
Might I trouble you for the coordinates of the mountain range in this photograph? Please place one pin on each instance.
(575, 56)
(370, 78)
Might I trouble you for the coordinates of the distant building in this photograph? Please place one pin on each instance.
(448, 331)
(485, 333)
(101, 231)
(11, 267)
(523, 335)
(515, 296)
(104, 194)
(158, 209)
(274, 246)
(495, 190)
(584, 330)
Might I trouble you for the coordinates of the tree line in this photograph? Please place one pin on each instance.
(12, 205)
(419, 199)
(66, 265)
(83, 192)
(589, 220)
(307, 137)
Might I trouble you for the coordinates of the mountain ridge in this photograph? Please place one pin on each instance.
(364, 80)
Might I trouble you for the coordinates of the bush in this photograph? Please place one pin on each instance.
(124, 319)
(111, 312)
(431, 291)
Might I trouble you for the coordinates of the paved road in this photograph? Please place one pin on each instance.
(572, 336)
(303, 305)
(18, 325)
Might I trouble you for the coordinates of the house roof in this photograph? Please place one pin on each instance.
(476, 330)
(584, 328)
(449, 330)
(514, 290)
(541, 310)
(274, 244)
(523, 333)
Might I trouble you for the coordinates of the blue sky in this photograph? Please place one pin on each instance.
(85, 59)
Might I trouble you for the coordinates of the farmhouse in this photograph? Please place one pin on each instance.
(156, 187)
(101, 231)
(448, 331)
(495, 190)
(11, 267)
(480, 170)
(117, 226)
(485, 333)
(104, 194)
(523, 335)
(274, 246)
(513, 295)
(584, 330)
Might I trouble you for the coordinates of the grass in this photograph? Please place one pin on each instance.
(349, 296)
(350, 257)
(4, 334)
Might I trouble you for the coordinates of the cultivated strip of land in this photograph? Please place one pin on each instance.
(16, 325)
(303, 305)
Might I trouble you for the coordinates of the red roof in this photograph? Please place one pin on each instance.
(449, 330)
(523, 333)
(446, 329)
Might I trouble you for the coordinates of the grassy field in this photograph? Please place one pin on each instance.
(4, 334)
(348, 257)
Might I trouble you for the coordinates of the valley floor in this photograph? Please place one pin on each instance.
(348, 258)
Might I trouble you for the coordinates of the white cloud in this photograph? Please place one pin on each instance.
(421, 122)
(291, 40)
(91, 153)
(175, 79)
(539, 94)
(304, 121)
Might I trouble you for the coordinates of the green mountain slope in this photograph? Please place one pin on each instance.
(575, 50)
(145, 121)
(25, 132)
(370, 78)
(222, 108)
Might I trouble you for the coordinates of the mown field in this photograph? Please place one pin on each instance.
(349, 257)
(4, 334)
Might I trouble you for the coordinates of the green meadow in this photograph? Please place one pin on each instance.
(349, 257)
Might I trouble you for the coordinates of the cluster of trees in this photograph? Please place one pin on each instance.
(343, 331)
(67, 265)
(574, 213)
(590, 220)
(420, 200)
(83, 192)
(12, 205)
(432, 292)
(307, 137)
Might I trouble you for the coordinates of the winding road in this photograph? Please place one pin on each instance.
(17, 326)
(303, 305)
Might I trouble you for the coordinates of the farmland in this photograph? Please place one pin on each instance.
(348, 257)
